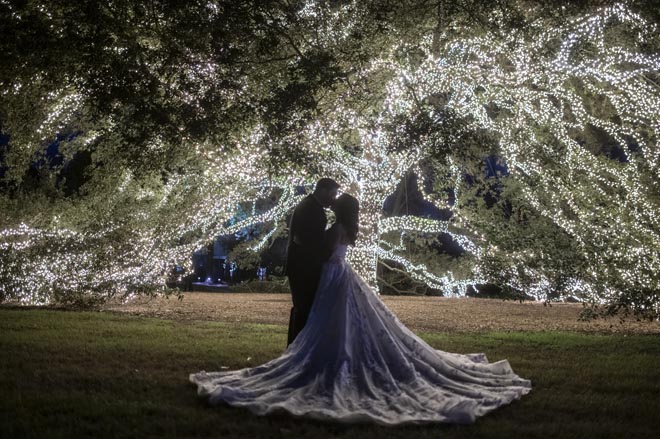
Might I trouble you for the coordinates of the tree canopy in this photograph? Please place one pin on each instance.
(135, 130)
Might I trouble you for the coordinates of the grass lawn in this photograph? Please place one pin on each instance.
(94, 374)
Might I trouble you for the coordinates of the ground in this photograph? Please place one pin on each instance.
(123, 372)
(427, 314)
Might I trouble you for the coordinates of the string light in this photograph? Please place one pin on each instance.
(534, 94)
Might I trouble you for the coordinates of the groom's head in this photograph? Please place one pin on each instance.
(326, 191)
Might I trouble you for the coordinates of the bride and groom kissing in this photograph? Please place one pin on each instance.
(309, 246)
(349, 359)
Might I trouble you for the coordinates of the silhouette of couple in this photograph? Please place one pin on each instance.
(307, 250)
(349, 359)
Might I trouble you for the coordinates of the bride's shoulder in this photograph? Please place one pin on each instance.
(337, 233)
(337, 228)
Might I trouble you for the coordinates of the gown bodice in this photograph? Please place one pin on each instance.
(338, 254)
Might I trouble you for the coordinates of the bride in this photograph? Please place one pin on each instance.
(355, 361)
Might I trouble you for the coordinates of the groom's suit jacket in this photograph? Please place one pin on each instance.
(306, 233)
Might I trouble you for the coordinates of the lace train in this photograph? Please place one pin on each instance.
(354, 361)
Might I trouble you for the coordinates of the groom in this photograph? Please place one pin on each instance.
(305, 254)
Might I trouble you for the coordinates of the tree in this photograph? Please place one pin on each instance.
(187, 113)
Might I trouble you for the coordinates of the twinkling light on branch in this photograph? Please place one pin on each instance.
(605, 204)
(536, 93)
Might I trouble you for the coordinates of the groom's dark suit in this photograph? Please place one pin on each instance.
(304, 260)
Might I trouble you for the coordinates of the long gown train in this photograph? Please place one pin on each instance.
(355, 361)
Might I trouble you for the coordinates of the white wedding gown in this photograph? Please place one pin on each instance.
(355, 361)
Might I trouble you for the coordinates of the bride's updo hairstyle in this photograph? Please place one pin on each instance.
(347, 210)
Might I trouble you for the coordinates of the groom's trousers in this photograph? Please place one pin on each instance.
(303, 284)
